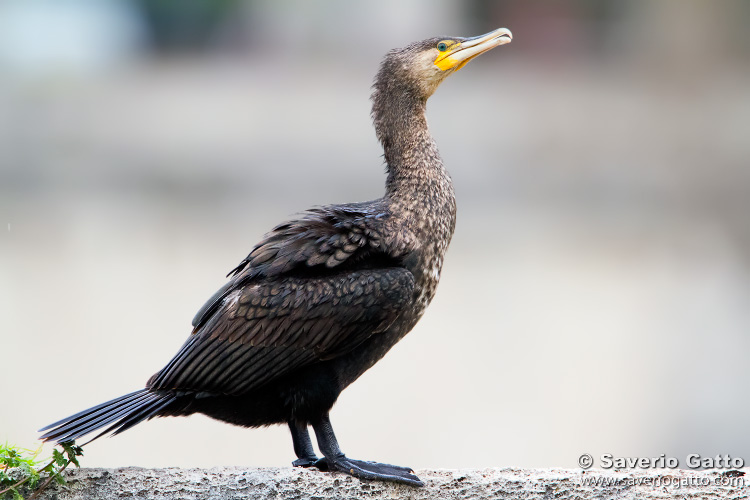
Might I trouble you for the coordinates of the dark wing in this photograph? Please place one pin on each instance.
(270, 327)
(339, 236)
(325, 236)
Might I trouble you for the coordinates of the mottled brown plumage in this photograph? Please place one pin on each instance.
(322, 297)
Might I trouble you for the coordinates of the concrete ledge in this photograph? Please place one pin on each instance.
(289, 483)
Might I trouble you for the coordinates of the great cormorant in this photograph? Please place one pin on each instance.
(322, 297)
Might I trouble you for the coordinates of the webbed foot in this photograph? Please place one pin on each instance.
(306, 462)
(362, 469)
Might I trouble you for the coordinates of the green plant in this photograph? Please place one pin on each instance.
(21, 467)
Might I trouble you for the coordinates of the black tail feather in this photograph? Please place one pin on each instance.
(125, 411)
(142, 415)
(90, 410)
(93, 414)
(81, 426)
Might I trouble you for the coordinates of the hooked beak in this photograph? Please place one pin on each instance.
(469, 48)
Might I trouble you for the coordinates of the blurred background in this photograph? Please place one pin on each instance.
(596, 296)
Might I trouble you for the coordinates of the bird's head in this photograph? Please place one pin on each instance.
(424, 65)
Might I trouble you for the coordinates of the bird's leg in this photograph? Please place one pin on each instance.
(302, 445)
(334, 460)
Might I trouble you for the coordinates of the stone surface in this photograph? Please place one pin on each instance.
(288, 483)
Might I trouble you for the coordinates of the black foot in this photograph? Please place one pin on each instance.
(306, 462)
(369, 470)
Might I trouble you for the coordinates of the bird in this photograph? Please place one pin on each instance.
(324, 295)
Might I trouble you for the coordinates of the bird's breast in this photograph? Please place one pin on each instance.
(434, 236)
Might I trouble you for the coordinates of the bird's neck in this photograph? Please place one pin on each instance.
(410, 152)
(419, 191)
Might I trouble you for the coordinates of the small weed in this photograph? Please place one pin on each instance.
(20, 467)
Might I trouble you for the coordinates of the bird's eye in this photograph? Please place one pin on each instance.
(442, 46)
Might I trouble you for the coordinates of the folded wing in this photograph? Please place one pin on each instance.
(270, 327)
